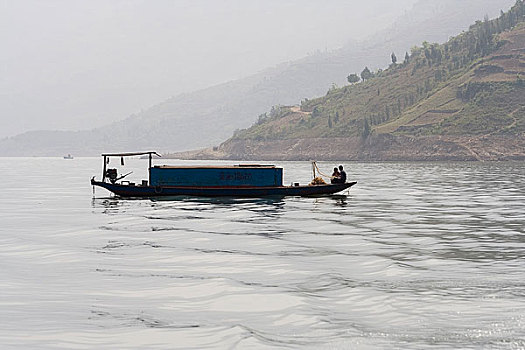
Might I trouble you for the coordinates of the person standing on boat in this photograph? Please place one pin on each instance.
(336, 176)
(343, 175)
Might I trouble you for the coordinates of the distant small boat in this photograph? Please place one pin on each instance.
(69, 156)
(252, 180)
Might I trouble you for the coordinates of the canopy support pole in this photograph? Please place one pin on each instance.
(149, 169)
(104, 170)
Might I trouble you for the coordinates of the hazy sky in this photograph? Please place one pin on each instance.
(70, 64)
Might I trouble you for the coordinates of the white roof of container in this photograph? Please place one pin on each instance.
(246, 166)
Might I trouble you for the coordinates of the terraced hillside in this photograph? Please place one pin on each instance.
(461, 100)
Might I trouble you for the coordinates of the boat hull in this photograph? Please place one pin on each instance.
(131, 191)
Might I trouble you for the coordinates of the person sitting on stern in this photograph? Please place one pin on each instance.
(343, 175)
(336, 176)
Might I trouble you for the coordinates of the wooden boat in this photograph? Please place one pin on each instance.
(252, 180)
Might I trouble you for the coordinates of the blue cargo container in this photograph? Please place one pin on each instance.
(226, 176)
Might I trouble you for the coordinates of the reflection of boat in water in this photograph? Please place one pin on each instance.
(69, 156)
(251, 180)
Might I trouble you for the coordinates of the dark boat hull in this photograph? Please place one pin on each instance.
(252, 191)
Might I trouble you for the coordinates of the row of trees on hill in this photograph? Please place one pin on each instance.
(478, 41)
(445, 60)
(367, 74)
(460, 51)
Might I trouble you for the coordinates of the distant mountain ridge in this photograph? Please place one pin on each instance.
(209, 116)
(460, 100)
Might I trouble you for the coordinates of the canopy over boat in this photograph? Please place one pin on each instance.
(130, 154)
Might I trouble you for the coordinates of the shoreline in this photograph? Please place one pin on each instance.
(375, 148)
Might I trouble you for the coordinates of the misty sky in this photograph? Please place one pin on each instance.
(70, 64)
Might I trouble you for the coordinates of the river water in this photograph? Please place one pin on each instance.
(415, 256)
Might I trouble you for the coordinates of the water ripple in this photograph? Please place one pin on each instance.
(416, 256)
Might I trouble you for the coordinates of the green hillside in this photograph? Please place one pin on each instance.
(471, 87)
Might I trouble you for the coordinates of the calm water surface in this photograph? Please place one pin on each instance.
(415, 256)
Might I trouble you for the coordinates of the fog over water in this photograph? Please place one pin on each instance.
(79, 64)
